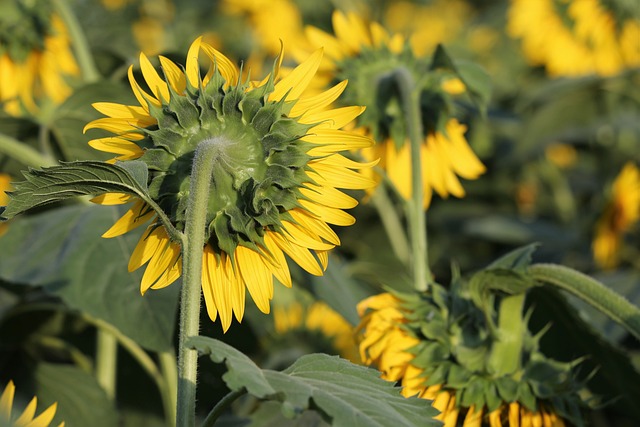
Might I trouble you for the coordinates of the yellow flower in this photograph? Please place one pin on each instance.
(31, 74)
(622, 211)
(27, 418)
(272, 21)
(388, 343)
(561, 155)
(580, 36)
(361, 52)
(438, 22)
(149, 30)
(317, 317)
(5, 185)
(275, 186)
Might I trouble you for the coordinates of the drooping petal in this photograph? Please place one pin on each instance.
(148, 244)
(256, 275)
(136, 216)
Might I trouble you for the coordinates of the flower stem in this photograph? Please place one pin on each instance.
(192, 245)
(169, 369)
(591, 291)
(392, 224)
(81, 46)
(106, 361)
(221, 406)
(23, 153)
(416, 215)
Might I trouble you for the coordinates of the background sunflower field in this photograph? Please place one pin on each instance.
(529, 140)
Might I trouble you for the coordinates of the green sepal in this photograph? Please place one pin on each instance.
(507, 388)
(473, 393)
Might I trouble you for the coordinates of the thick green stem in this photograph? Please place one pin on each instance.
(392, 224)
(106, 361)
(221, 406)
(80, 45)
(192, 244)
(24, 153)
(169, 369)
(506, 353)
(591, 291)
(416, 215)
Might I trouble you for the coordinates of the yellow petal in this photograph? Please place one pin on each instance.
(6, 401)
(42, 420)
(226, 68)
(300, 255)
(158, 264)
(341, 177)
(318, 101)
(148, 244)
(473, 418)
(193, 67)
(328, 196)
(333, 47)
(116, 146)
(120, 125)
(303, 237)
(297, 80)
(278, 264)
(256, 275)
(173, 270)
(120, 111)
(315, 225)
(174, 75)
(327, 214)
(112, 199)
(143, 97)
(236, 285)
(136, 216)
(153, 79)
(331, 119)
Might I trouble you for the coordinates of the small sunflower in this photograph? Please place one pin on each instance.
(366, 54)
(580, 36)
(35, 57)
(275, 185)
(328, 328)
(436, 346)
(27, 418)
(5, 185)
(621, 213)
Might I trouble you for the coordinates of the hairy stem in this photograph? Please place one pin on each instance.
(392, 224)
(192, 246)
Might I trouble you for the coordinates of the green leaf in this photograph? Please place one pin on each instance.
(347, 394)
(270, 415)
(58, 183)
(517, 259)
(62, 251)
(81, 401)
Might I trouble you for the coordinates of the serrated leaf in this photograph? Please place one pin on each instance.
(62, 251)
(81, 401)
(58, 183)
(349, 395)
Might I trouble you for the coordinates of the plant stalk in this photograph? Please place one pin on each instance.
(192, 245)
(410, 95)
(592, 292)
(24, 153)
(106, 361)
(221, 406)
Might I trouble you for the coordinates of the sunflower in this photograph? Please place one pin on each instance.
(318, 319)
(275, 185)
(423, 343)
(27, 418)
(622, 212)
(5, 185)
(366, 55)
(580, 36)
(35, 57)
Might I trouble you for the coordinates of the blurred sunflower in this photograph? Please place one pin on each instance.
(366, 55)
(429, 24)
(580, 36)
(330, 331)
(27, 418)
(5, 185)
(35, 57)
(622, 212)
(436, 346)
(274, 188)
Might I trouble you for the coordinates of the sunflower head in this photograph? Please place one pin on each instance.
(449, 346)
(277, 163)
